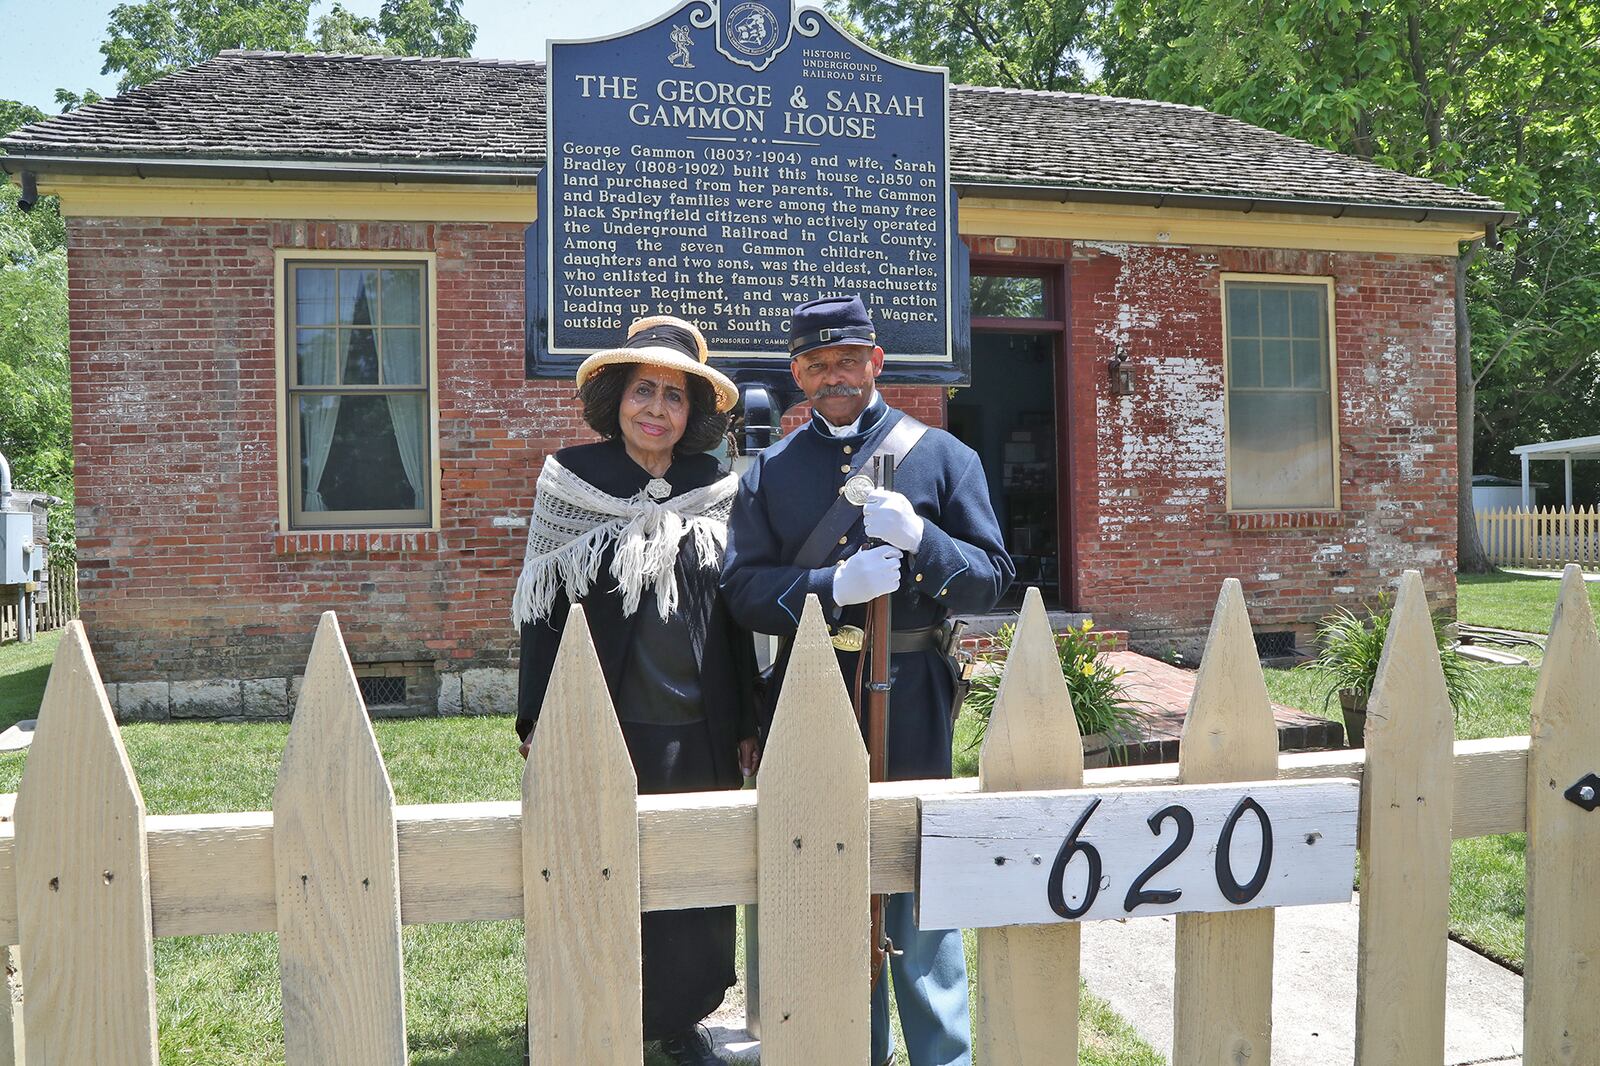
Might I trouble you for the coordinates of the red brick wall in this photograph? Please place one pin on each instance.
(1154, 540)
(184, 573)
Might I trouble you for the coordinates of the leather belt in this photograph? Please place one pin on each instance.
(901, 641)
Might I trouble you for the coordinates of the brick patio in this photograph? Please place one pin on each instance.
(1167, 690)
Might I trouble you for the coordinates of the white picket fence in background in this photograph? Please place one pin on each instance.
(87, 880)
(1544, 538)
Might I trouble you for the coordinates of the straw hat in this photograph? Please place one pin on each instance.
(667, 342)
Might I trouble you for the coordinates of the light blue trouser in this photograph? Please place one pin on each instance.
(930, 988)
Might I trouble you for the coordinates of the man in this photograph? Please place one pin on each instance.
(937, 549)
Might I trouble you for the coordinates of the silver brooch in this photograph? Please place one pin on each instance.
(658, 488)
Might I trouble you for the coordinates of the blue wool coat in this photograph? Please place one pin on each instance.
(960, 567)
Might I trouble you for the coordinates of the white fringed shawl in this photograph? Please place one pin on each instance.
(573, 523)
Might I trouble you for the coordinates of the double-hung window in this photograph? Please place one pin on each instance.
(1282, 442)
(359, 413)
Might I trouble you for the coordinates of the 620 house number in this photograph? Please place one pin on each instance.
(1138, 894)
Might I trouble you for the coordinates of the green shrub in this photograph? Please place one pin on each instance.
(1100, 698)
(1352, 647)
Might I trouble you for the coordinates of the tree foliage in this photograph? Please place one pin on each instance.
(155, 37)
(150, 38)
(1026, 44)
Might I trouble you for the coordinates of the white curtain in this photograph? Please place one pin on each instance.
(406, 413)
(318, 363)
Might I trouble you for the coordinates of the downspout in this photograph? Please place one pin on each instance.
(5, 483)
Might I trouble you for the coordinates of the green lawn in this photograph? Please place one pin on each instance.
(218, 999)
(1487, 875)
(23, 670)
(1512, 601)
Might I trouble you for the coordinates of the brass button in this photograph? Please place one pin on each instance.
(845, 469)
(944, 592)
(848, 449)
(841, 490)
(844, 540)
(919, 577)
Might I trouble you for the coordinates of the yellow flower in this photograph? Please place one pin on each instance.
(1087, 668)
(1088, 624)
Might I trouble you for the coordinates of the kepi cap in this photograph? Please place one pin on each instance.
(829, 321)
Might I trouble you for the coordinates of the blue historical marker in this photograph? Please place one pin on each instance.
(733, 158)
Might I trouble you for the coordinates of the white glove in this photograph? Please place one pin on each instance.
(888, 516)
(866, 575)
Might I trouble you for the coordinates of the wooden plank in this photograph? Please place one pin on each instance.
(811, 839)
(83, 879)
(1222, 991)
(580, 866)
(1024, 859)
(336, 870)
(1405, 846)
(461, 862)
(1028, 978)
(1561, 978)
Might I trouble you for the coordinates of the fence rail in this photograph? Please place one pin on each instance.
(53, 610)
(87, 881)
(1545, 537)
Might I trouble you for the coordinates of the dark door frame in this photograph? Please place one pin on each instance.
(1056, 324)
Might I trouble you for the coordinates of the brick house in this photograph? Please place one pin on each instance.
(1200, 350)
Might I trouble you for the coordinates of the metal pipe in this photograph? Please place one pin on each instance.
(5, 482)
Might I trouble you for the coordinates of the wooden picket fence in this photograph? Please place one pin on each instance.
(54, 610)
(1544, 538)
(87, 880)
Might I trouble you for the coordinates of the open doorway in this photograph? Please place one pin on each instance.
(1014, 414)
(1008, 417)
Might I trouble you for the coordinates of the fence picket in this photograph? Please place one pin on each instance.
(811, 837)
(1406, 809)
(1222, 995)
(83, 879)
(1028, 976)
(580, 870)
(1561, 982)
(336, 866)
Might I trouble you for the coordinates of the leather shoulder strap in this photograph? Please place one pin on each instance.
(837, 520)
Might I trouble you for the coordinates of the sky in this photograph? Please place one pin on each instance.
(51, 44)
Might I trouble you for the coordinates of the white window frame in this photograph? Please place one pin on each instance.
(1333, 387)
(283, 258)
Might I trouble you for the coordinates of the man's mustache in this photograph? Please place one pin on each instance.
(836, 390)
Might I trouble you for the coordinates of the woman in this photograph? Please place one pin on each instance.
(633, 528)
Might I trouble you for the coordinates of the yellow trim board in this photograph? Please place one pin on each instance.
(112, 197)
(984, 217)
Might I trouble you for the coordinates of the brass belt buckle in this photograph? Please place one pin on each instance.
(849, 638)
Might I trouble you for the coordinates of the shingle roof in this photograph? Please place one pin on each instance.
(422, 113)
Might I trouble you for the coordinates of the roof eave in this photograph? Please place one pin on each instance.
(1474, 216)
(271, 169)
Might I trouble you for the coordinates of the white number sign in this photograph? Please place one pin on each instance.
(1027, 858)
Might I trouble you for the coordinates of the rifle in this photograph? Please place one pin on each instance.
(873, 701)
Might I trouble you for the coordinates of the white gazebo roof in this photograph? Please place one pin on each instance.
(1576, 448)
(1565, 450)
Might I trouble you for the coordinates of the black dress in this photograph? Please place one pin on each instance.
(684, 695)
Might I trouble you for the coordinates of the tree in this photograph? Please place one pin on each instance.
(68, 100)
(35, 399)
(342, 30)
(1023, 44)
(426, 28)
(155, 37)
(1499, 96)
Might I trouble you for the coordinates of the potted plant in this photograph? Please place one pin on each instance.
(1107, 716)
(1352, 647)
